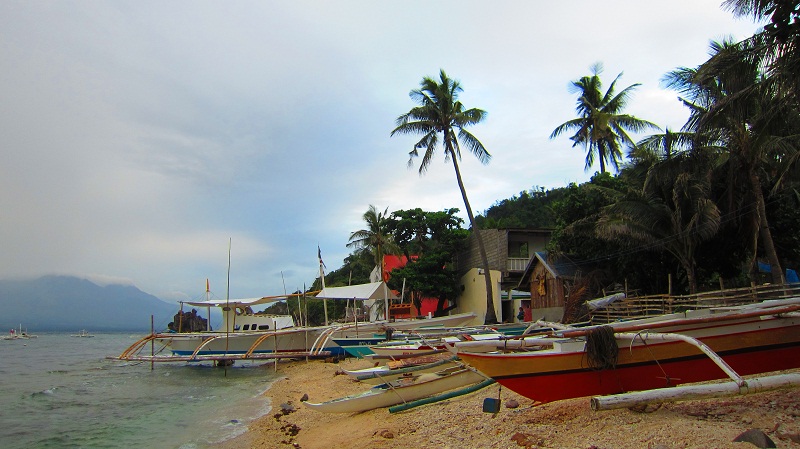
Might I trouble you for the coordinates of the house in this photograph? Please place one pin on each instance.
(509, 252)
(549, 281)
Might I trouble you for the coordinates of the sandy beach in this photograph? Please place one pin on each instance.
(461, 423)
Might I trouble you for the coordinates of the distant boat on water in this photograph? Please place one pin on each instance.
(15, 334)
(83, 333)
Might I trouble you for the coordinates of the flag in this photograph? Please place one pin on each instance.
(319, 256)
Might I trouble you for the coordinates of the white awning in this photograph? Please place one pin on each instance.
(235, 302)
(375, 290)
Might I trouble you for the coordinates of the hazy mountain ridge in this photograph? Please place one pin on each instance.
(66, 303)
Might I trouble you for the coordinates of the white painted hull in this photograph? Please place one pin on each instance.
(398, 392)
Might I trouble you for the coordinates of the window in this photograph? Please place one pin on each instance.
(518, 249)
(263, 327)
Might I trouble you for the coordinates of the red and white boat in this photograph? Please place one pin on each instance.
(751, 339)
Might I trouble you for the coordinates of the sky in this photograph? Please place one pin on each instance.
(145, 142)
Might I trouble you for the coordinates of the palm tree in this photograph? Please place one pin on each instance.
(777, 46)
(440, 111)
(736, 110)
(600, 126)
(673, 212)
(376, 238)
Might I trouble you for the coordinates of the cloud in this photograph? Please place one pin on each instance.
(139, 137)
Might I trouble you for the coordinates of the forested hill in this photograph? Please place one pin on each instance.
(64, 303)
(532, 209)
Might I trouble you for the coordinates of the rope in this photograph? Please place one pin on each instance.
(601, 348)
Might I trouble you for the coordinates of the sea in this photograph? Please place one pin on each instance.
(59, 391)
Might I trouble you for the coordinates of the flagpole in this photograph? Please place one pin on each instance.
(322, 280)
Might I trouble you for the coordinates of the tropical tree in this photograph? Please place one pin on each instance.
(738, 113)
(675, 215)
(441, 112)
(431, 241)
(601, 127)
(777, 46)
(376, 238)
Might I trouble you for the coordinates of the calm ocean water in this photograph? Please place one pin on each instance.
(58, 391)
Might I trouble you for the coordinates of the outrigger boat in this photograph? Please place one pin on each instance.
(394, 370)
(401, 391)
(15, 334)
(646, 354)
(244, 335)
(248, 335)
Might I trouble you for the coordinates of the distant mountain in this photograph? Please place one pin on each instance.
(65, 303)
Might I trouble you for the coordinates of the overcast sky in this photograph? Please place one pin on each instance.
(139, 137)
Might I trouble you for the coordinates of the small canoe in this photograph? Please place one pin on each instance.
(401, 391)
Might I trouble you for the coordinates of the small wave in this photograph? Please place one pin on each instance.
(47, 392)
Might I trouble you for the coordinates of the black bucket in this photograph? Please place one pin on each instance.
(491, 405)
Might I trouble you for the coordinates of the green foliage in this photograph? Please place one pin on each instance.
(434, 239)
(531, 209)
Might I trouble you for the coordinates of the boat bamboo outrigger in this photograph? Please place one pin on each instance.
(636, 355)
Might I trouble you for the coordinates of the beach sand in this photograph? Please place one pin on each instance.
(461, 423)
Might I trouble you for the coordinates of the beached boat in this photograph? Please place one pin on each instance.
(83, 333)
(426, 344)
(621, 357)
(401, 391)
(248, 335)
(387, 373)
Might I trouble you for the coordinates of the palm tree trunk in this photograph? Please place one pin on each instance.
(491, 316)
(764, 233)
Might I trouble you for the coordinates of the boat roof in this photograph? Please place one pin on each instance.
(234, 302)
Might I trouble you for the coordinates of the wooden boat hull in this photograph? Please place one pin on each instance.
(386, 395)
(383, 374)
(358, 346)
(750, 346)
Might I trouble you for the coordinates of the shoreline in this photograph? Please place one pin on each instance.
(460, 422)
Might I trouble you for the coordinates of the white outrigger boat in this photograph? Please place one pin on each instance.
(403, 390)
(248, 335)
(15, 334)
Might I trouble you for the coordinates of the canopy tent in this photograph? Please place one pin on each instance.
(366, 292)
(375, 290)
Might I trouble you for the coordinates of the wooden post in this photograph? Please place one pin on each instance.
(152, 342)
(275, 332)
(669, 284)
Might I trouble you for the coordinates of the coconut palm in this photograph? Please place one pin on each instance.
(376, 238)
(736, 110)
(676, 216)
(440, 112)
(600, 126)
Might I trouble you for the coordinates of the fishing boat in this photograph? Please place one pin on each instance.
(18, 334)
(650, 353)
(429, 343)
(400, 391)
(387, 373)
(83, 333)
(245, 334)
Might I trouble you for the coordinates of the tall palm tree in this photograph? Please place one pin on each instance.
(734, 108)
(600, 126)
(440, 111)
(376, 238)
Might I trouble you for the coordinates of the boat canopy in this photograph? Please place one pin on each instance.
(375, 290)
(235, 302)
